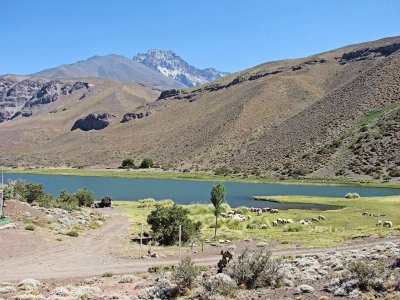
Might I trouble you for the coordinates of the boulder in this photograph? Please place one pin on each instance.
(132, 116)
(93, 122)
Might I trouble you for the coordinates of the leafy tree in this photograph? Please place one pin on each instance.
(33, 191)
(84, 197)
(128, 163)
(147, 162)
(165, 221)
(217, 199)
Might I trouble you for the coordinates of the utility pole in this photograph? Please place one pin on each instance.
(141, 242)
(180, 239)
(1, 195)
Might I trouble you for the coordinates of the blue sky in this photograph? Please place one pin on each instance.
(230, 35)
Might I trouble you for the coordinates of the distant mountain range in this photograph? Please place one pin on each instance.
(114, 67)
(170, 64)
(156, 68)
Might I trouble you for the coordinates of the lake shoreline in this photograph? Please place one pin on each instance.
(199, 176)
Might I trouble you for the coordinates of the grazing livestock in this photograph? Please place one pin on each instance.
(321, 217)
(264, 226)
(388, 224)
(315, 219)
(379, 223)
(274, 223)
(365, 213)
(274, 211)
(289, 221)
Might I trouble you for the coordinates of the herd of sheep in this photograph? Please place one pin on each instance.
(379, 222)
(237, 215)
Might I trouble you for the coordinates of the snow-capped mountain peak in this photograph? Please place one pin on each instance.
(170, 64)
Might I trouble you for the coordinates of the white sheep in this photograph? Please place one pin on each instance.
(379, 223)
(388, 224)
(321, 217)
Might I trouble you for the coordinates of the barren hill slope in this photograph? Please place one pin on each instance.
(292, 117)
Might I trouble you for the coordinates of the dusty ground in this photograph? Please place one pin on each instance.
(43, 255)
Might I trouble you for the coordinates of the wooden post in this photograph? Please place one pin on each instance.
(180, 239)
(141, 242)
(1, 195)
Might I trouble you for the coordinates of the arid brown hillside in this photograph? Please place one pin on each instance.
(287, 118)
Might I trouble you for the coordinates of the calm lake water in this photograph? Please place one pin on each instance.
(191, 191)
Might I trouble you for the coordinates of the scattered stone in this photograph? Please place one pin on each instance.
(26, 214)
(304, 288)
(29, 285)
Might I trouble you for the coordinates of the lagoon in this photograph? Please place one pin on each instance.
(194, 191)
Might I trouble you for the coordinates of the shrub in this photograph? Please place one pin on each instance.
(165, 221)
(223, 170)
(219, 284)
(107, 274)
(84, 197)
(128, 279)
(363, 276)
(255, 270)
(394, 173)
(33, 191)
(147, 163)
(163, 289)
(128, 163)
(30, 227)
(72, 233)
(161, 268)
(185, 274)
(293, 228)
(352, 196)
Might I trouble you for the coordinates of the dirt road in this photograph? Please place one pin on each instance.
(27, 255)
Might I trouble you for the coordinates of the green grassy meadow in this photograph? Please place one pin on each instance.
(341, 225)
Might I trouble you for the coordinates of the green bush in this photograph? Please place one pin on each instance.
(293, 228)
(30, 227)
(33, 191)
(185, 274)
(107, 274)
(394, 173)
(128, 163)
(223, 170)
(255, 270)
(84, 197)
(165, 221)
(219, 284)
(352, 196)
(147, 163)
(72, 233)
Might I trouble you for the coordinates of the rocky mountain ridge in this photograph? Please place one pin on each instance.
(20, 97)
(170, 64)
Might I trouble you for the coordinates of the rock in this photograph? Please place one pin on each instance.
(169, 93)
(9, 226)
(154, 255)
(26, 214)
(304, 288)
(29, 285)
(93, 122)
(28, 297)
(132, 116)
(262, 244)
(7, 289)
(60, 291)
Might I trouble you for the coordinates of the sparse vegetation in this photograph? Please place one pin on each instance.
(107, 274)
(255, 269)
(185, 274)
(30, 227)
(72, 233)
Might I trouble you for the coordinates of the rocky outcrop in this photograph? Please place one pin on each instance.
(369, 53)
(93, 122)
(18, 97)
(132, 116)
